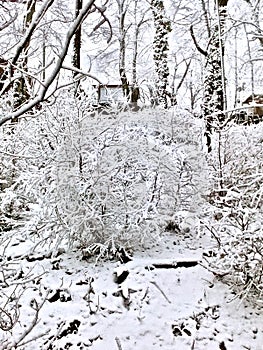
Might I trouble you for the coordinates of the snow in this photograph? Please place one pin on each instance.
(163, 298)
(154, 308)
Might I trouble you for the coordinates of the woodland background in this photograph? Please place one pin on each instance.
(178, 152)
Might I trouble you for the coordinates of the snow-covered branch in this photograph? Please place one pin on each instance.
(53, 75)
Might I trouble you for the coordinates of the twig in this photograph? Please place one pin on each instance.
(217, 273)
(118, 343)
(202, 51)
(145, 294)
(55, 337)
(36, 307)
(212, 231)
(165, 296)
(35, 338)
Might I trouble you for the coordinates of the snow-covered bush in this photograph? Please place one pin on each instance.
(105, 182)
(118, 179)
(13, 201)
(238, 199)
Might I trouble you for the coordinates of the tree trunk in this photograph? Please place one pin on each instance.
(161, 47)
(214, 102)
(77, 38)
(122, 42)
(135, 92)
(21, 93)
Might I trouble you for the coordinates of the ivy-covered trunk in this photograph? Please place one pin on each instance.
(161, 47)
(214, 102)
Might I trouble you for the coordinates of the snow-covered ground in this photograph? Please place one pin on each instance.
(158, 305)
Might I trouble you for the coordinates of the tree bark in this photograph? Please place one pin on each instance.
(122, 42)
(21, 93)
(77, 44)
(77, 37)
(161, 47)
(214, 102)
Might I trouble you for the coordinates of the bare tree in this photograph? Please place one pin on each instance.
(22, 49)
(254, 37)
(140, 18)
(47, 88)
(256, 8)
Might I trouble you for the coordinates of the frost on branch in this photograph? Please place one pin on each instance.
(237, 205)
(107, 184)
(116, 185)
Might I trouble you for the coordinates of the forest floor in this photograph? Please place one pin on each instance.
(76, 304)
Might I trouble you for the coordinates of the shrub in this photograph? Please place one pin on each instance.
(103, 183)
(238, 204)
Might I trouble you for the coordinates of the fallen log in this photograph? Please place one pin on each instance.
(175, 264)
